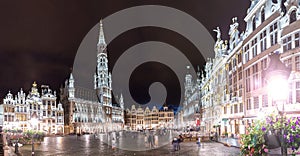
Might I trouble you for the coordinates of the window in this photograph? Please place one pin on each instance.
(262, 15)
(255, 77)
(273, 34)
(249, 104)
(235, 108)
(287, 43)
(297, 85)
(263, 41)
(241, 107)
(239, 58)
(297, 96)
(297, 62)
(254, 47)
(265, 100)
(253, 23)
(264, 64)
(288, 62)
(297, 40)
(240, 90)
(230, 79)
(293, 16)
(240, 74)
(256, 102)
(246, 50)
(248, 87)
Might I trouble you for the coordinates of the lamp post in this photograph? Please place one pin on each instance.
(277, 75)
(34, 122)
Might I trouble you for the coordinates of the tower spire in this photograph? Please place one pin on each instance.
(101, 35)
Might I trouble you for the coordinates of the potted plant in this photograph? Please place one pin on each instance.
(271, 133)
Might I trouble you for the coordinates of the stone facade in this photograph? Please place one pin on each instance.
(139, 118)
(20, 111)
(234, 91)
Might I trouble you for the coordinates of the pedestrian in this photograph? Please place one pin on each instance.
(155, 139)
(216, 136)
(199, 141)
(180, 139)
(113, 143)
(175, 144)
(150, 140)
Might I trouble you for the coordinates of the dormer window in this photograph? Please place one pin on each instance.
(253, 24)
(262, 15)
(293, 16)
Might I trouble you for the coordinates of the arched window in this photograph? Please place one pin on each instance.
(293, 17)
(253, 23)
(262, 15)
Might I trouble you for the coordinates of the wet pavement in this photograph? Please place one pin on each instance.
(230, 141)
(128, 145)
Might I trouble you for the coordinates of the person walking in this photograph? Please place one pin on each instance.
(216, 136)
(151, 140)
(113, 143)
(199, 141)
(175, 144)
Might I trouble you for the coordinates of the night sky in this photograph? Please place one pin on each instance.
(39, 39)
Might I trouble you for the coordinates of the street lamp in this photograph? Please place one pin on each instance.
(277, 75)
(34, 122)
